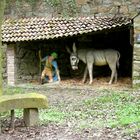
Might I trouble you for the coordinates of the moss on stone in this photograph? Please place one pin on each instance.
(20, 101)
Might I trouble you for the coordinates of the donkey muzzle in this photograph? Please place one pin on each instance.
(74, 67)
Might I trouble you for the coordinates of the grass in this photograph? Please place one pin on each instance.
(51, 115)
(113, 109)
(12, 90)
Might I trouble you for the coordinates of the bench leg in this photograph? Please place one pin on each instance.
(30, 116)
(12, 118)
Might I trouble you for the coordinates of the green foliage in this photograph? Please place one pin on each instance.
(51, 115)
(53, 3)
(126, 114)
(68, 7)
(32, 2)
(11, 91)
(18, 113)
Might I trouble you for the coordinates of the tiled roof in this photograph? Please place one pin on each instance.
(41, 28)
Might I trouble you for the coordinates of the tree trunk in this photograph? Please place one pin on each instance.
(2, 6)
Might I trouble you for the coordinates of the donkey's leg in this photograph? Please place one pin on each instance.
(90, 69)
(112, 77)
(116, 76)
(113, 71)
(85, 74)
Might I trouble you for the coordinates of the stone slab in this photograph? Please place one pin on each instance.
(21, 101)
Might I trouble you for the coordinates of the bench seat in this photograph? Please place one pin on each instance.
(20, 101)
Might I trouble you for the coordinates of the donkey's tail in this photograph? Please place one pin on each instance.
(118, 59)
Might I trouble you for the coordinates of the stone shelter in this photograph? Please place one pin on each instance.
(27, 40)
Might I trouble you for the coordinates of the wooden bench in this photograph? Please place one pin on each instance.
(29, 102)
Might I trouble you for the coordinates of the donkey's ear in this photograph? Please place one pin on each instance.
(68, 49)
(74, 48)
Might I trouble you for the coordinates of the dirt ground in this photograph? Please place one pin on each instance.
(69, 92)
(99, 82)
(76, 83)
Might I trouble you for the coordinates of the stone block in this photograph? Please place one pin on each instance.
(136, 67)
(137, 29)
(136, 81)
(85, 9)
(136, 47)
(137, 20)
(136, 62)
(137, 57)
(124, 9)
(132, 10)
(107, 2)
(117, 3)
(104, 9)
(98, 2)
(11, 69)
(136, 74)
(11, 74)
(135, 1)
(30, 116)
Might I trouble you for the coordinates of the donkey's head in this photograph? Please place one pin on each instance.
(74, 60)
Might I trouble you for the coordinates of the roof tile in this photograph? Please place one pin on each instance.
(41, 28)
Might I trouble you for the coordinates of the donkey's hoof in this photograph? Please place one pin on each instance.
(83, 81)
(90, 83)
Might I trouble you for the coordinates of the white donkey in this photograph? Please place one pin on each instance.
(95, 57)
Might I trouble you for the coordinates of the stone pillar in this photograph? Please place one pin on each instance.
(30, 116)
(11, 64)
(136, 53)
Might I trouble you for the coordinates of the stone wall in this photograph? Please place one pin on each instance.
(27, 62)
(101, 7)
(55, 8)
(136, 55)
